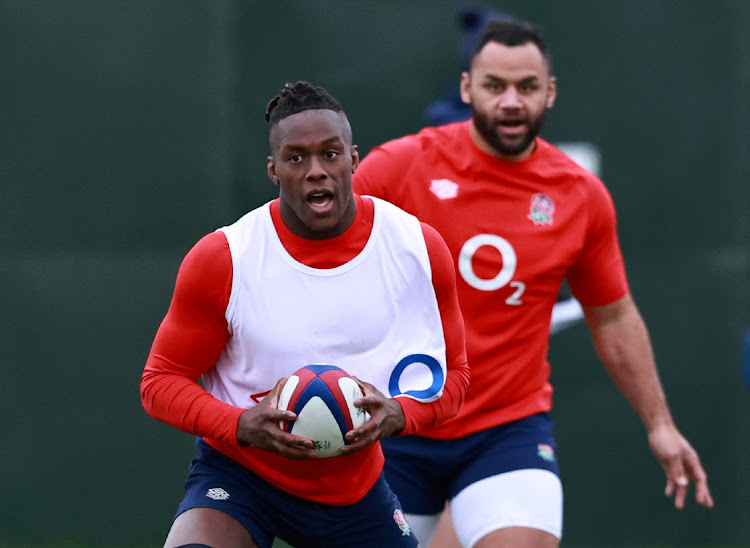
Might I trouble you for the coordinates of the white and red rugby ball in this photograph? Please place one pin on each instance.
(322, 396)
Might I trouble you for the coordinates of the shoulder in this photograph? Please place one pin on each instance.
(422, 141)
(557, 163)
(211, 247)
(555, 159)
(435, 243)
(210, 254)
(246, 232)
(206, 269)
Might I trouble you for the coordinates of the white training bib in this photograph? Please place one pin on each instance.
(375, 316)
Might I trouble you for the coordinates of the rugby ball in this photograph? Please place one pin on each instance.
(322, 396)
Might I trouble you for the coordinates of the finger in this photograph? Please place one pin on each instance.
(681, 483)
(669, 489)
(292, 440)
(677, 481)
(277, 415)
(369, 402)
(294, 447)
(681, 494)
(354, 447)
(273, 396)
(698, 475)
(370, 432)
(369, 429)
(268, 409)
(357, 445)
(703, 495)
(364, 385)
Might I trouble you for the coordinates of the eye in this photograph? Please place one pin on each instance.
(295, 159)
(493, 86)
(331, 154)
(529, 87)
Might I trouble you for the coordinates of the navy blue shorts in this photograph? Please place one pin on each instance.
(216, 481)
(425, 472)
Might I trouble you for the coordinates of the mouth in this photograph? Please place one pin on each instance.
(320, 199)
(512, 127)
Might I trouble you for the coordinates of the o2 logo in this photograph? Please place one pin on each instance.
(506, 272)
(427, 394)
(418, 375)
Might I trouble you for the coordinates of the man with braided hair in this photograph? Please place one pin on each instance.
(318, 275)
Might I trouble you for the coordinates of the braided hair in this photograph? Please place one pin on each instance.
(299, 97)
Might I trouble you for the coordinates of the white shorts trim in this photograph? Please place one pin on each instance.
(522, 498)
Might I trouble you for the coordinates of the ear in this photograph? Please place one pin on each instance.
(551, 91)
(355, 157)
(271, 170)
(464, 86)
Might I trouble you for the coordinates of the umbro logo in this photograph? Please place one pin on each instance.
(445, 189)
(217, 493)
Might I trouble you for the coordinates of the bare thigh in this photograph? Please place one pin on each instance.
(445, 535)
(518, 537)
(208, 526)
(511, 537)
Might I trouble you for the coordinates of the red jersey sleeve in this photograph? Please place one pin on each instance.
(598, 276)
(420, 415)
(189, 341)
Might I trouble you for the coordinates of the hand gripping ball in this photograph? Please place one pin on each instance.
(322, 397)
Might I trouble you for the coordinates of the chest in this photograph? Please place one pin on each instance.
(501, 228)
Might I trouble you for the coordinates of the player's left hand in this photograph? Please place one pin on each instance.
(681, 465)
(386, 418)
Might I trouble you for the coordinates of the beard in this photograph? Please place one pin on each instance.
(487, 128)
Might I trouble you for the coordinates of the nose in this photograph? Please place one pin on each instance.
(509, 98)
(316, 170)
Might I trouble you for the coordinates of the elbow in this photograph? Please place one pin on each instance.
(147, 391)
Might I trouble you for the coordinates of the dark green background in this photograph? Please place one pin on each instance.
(130, 129)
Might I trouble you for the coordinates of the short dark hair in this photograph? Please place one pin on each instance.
(299, 97)
(511, 32)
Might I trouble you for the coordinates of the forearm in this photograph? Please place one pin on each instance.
(623, 344)
(420, 415)
(184, 404)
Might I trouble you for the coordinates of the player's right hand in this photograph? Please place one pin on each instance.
(259, 427)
